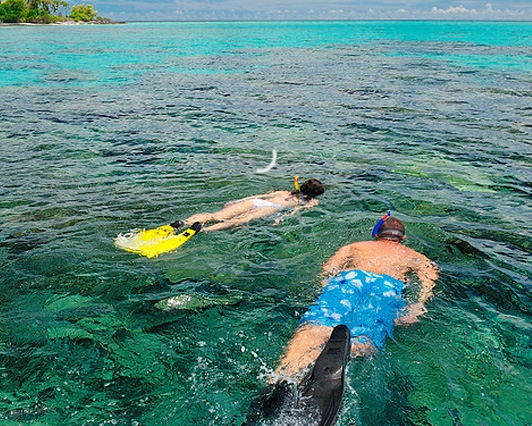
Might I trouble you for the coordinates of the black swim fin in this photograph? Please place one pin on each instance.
(177, 224)
(196, 227)
(270, 402)
(323, 387)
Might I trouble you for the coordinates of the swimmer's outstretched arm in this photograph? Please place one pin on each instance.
(307, 205)
(412, 312)
(428, 273)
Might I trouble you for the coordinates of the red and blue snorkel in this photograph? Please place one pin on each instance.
(378, 225)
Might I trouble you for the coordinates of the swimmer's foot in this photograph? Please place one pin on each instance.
(317, 399)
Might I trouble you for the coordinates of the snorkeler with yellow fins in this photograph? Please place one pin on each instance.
(153, 242)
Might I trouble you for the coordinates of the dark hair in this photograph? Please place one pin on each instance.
(392, 229)
(312, 188)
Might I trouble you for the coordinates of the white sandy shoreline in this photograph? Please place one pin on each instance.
(68, 22)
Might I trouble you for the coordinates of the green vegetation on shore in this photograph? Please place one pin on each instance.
(47, 12)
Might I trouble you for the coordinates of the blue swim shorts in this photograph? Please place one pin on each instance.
(365, 302)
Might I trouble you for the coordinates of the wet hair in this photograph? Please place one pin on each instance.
(392, 229)
(312, 188)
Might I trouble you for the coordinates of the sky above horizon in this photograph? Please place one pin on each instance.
(201, 10)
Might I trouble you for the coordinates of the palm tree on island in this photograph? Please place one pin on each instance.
(48, 12)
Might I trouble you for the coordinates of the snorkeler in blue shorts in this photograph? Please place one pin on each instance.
(363, 290)
(366, 303)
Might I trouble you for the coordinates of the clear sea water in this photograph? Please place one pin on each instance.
(109, 128)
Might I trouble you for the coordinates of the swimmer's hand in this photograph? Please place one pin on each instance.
(415, 310)
(278, 220)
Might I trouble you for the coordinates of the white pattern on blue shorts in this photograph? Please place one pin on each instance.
(365, 302)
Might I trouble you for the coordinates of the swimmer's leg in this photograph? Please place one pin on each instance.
(203, 218)
(228, 213)
(322, 389)
(302, 350)
(242, 219)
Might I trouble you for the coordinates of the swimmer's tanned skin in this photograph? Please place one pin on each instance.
(386, 255)
(242, 211)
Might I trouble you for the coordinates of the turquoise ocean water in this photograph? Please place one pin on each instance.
(109, 128)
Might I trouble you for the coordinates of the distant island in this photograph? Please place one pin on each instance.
(48, 12)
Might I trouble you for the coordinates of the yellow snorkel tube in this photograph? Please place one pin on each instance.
(296, 185)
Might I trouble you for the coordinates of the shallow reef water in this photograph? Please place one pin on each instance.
(105, 129)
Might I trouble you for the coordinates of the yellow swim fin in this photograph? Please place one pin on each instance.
(153, 242)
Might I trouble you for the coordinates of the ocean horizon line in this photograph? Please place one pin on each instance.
(199, 21)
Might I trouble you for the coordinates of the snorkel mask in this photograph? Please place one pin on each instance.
(394, 231)
(378, 225)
